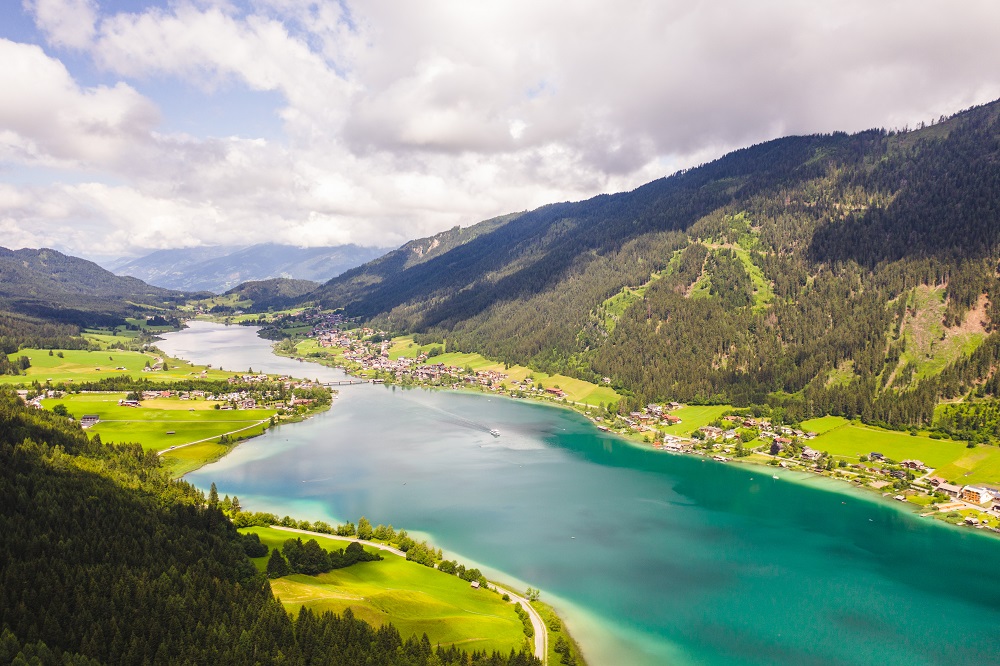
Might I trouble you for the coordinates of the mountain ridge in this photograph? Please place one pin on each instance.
(49, 284)
(220, 268)
(749, 279)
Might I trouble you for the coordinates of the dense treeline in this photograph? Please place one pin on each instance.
(777, 274)
(310, 558)
(19, 332)
(105, 559)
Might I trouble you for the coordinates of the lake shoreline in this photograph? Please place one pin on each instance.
(542, 634)
(842, 486)
(698, 533)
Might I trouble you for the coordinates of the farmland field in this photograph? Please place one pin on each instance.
(695, 416)
(187, 420)
(84, 365)
(852, 441)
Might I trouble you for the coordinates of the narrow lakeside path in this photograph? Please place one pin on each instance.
(541, 634)
(375, 544)
(231, 432)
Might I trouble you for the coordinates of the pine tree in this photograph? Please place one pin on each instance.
(277, 565)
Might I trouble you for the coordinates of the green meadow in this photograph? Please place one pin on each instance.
(952, 460)
(823, 424)
(693, 417)
(852, 441)
(167, 423)
(85, 366)
(414, 598)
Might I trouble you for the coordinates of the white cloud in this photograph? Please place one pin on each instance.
(68, 23)
(400, 119)
(46, 118)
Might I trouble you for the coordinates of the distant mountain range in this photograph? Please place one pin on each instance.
(46, 283)
(220, 268)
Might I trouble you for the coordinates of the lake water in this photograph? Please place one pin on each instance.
(653, 558)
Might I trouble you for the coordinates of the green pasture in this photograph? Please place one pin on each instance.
(823, 424)
(414, 598)
(978, 465)
(189, 420)
(83, 365)
(189, 458)
(695, 416)
(852, 441)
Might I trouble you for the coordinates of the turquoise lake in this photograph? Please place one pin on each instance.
(652, 558)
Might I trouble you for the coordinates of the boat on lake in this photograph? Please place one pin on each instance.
(495, 432)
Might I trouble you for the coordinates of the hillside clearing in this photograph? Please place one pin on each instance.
(415, 598)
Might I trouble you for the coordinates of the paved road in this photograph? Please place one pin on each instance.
(541, 635)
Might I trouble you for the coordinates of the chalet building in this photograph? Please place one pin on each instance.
(810, 454)
(88, 420)
(950, 489)
(977, 495)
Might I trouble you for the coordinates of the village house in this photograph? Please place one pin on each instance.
(810, 454)
(914, 464)
(88, 420)
(950, 489)
(977, 495)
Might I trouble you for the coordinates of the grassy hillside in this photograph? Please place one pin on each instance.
(415, 598)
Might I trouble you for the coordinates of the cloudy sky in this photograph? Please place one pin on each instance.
(130, 125)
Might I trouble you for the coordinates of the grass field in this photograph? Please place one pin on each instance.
(695, 416)
(823, 424)
(414, 598)
(82, 366)
(189, 420)
(851, 441)
(978, 465)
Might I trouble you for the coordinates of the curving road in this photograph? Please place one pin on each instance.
(541, 633)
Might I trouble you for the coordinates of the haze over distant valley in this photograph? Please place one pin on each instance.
(220, 268)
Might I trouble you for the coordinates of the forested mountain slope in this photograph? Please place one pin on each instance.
(837, 273)
(275, 292)
(49, 284)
